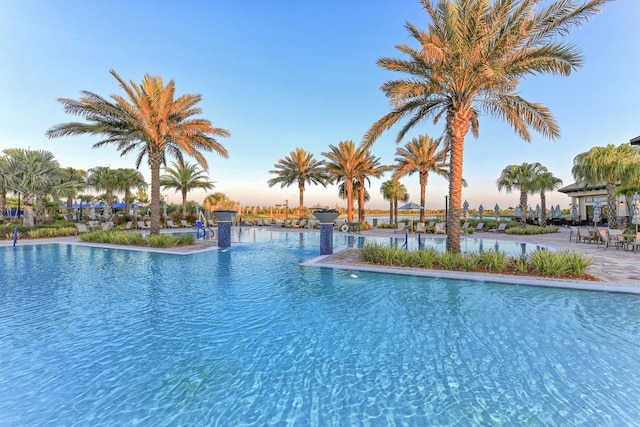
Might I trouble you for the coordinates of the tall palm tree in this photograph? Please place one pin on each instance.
(128, 179)
(35, 173)
(103, 178)
(524, 178)
(368, 167)
(394, 191)
(301, 168)
(342, 193)
(152, 121)
(6, 177)
(610, 165)
(546, 181)
(78, 178)
(342, 166)
(422, 155)
(218, 201)
(470, 60)
(184, 177)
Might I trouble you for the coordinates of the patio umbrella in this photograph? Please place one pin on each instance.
(537, 211)
(481, 211)
(530, 212)
(465, 209)
(496, 210)
(92, 215)
(518, 212)
(164, 209)
(558, 211)
(635, 205)
(574, 211)
(410, 207)
(597, 211)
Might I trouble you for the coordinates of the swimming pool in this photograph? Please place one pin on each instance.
(248, 337)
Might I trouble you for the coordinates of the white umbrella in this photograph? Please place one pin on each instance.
(558, 211)
(465, 209)
(496, 210)
(530, 212)
(574, 211)
(92, 214)
(481, 211)
(537, 211)
(597, 211)
(635, 205)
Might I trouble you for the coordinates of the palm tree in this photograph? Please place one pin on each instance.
(393, 191)
(218, 201)
(342, 193)
(470, 60)
(368, 167)
(6, 177)
(301, 168)
(78, 177)
(610, 165)
(422, 155)
(342, 166)
(546, 181)
(152, 121)
(103, 178)
(128, 179)
(185, 177)
(521, 177)
(35, 173)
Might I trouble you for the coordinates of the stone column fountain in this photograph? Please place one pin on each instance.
(326, 218)
(224, 227)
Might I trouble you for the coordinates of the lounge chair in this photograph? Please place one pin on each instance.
(465, 228)
(106, 226)
(81, 228)
(431, 224)
(480, 226)
(260, 222)
(184, 223)
(294, 224)
(500, 229)
(589, 237)
(170, 224)
(633, 243)
(606, 240)
(572, 231)
(303, 223)
(440, 228)
(400, 227)
(420, 228)
(128, 225)
(142, 225)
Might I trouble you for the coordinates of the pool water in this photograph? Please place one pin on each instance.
(246, 336)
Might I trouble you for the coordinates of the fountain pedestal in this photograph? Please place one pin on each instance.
(326, 218)
(224, 227)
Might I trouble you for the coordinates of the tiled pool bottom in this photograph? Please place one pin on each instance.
(247, 337)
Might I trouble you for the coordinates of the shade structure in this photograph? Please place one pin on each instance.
(496, 211)
(410, 207)
(635, 214)
(465, 209)
(597, 211)
(481, 211)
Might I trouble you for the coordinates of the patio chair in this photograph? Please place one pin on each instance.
(128, 225)
(400, 228)
(170, 224)
(260, 222)
(500, 229)
(184, 223)
(572, 231)
(106, 226)
(81, 228)
(465, 228)
(480, 226)
(440, 228)
(142, 225)
(605, 239)
(589, 237)
(432, 224)
(420, 228)
(303, 223)
(633, 243)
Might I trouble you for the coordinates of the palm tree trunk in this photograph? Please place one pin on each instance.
(39, 214)
(458, 126)
(361, 215)
(424, 178)
(3, 201)
(184, 202)
(348, 184)
(543, 206)
(27, 200)
(523, 207)
(395, 208)
(155, 162)
(391, 210)
(301, 204)
(69, 214)
(612, 218)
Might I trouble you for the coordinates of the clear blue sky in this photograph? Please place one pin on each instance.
(282, 74)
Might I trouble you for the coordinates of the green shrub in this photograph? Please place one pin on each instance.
(425, 258)
(494, 260)
(449, 260)
(470, 262)
(549, 263)
(532, 229)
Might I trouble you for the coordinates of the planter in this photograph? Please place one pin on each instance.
(223, 216)
(326, 217)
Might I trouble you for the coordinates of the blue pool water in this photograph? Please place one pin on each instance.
(248, 337)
